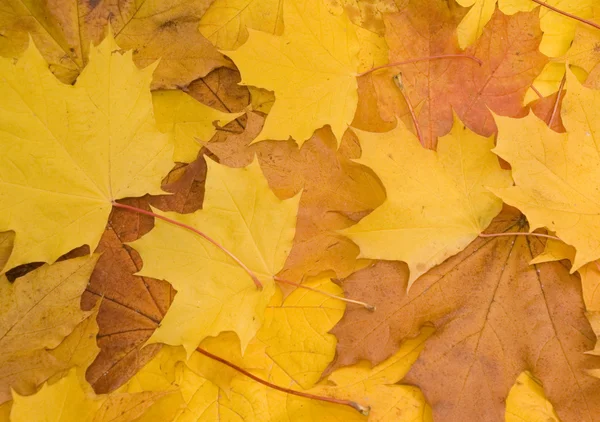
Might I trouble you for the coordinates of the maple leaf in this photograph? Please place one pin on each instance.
(67, 401)
(495, 316)
(214, 293)
(315, 64)
(226, 22)
(64, 31)
(134, 306)
(508, 50)
(285, 345)
(130, 314)
(131, 309)
(553, 172)
(97, 141)
(37, 312)
(585, 49)
(319, 171)
(437, 203)
(260, 350)
(188, 121)
(558, 29)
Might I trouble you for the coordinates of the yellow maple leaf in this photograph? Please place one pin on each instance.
(311, 68)
(437, 203)
(295, 331)
(214, 293)
(281, 354)
(69, 151)
(584, 51)
(187, 121)
(556, 173)
(66, 401)
(527, 402)
(37, 312)
(226, 22)
(558, 29)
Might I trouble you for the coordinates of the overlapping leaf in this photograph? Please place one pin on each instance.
(508, 50)
(69, 151)
(67, 401)
(226, 23)
(287, 356)
(437, 203)
(187, 121)
(495, 316)
(555, 173)
(335, 193)
(214, 293)
(558, 29)
(311, 68)
(37, 312)
(155, 30)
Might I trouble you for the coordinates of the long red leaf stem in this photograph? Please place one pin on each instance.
(567, 14)
(356, 406)
(398, 82)
(421, 59)
(198, 232)
(555, 109)
(357, 302)
(518, 234)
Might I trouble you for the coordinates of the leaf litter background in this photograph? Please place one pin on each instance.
(501, 328)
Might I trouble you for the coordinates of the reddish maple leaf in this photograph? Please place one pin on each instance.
(508, 50)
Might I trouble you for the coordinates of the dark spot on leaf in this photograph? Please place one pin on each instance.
(167, 25)
(93, 3)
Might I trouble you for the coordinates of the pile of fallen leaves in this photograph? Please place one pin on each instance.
(303, 210)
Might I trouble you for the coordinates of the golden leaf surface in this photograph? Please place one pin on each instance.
(437, 203)
(293, 347)
(311, 68)
(555, 173)
(69, 151)
(226, 22)
(37, 312)
(66, 401)
(187, 121)
(214, 293)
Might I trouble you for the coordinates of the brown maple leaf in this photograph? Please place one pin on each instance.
(508, 50)
(495, 316)
(132, 306)
(64, 31)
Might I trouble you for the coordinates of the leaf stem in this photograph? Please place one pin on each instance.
(400, 85)
(518, 234)
(555, 109)
(567, 14)
(198, 232)
(356, 406)
(420, 59)
(357, 302)
(534, 89)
